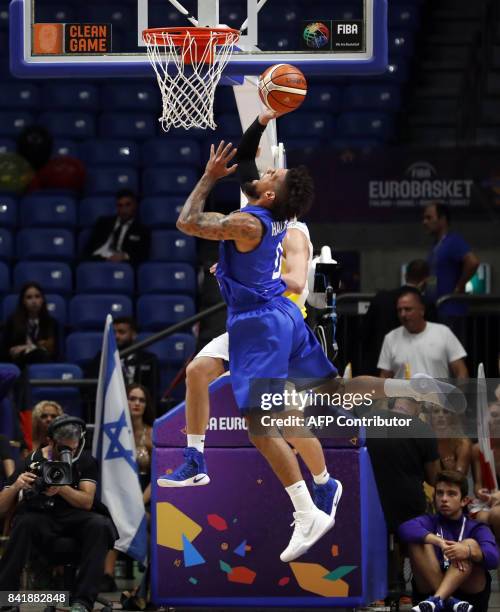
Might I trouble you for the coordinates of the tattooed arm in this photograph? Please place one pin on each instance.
(243, 228)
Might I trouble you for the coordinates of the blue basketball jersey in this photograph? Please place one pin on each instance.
(249, 280)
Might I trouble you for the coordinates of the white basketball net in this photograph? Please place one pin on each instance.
(188, 87)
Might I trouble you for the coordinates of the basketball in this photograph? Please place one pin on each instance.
(282, 87)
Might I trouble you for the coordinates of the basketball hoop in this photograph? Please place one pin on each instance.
(188, 63)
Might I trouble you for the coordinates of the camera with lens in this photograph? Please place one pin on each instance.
(49, 474)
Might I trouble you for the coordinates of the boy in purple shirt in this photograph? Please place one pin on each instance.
(449, 552)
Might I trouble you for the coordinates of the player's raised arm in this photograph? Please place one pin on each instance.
(249, 144)
(192, 220)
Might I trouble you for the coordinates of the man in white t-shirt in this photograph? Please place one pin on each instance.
(425, 347)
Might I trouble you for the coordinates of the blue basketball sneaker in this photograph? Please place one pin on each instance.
(431, 604)
(458, 605)
(192, 473)
(326, 497)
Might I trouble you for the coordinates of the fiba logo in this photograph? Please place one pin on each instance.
(316, 35)
(421, 170)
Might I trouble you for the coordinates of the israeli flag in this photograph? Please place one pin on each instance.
(114, 448)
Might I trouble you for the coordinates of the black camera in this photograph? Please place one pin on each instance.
(49, 474)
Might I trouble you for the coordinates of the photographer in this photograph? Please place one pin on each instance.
(46, 512)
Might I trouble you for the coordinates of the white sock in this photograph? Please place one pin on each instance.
(322, 478)
(197, 442)
(300, 496)
(398, 387)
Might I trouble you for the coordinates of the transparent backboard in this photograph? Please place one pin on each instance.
(104, 38)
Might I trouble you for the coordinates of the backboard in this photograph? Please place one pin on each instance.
(103, 38)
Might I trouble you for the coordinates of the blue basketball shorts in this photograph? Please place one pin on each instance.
(270, 345)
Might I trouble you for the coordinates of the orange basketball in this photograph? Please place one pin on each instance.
(282, 87)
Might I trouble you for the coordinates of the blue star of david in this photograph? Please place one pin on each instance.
(116, 449)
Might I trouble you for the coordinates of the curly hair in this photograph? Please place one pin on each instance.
(296, 196)
(38, 427)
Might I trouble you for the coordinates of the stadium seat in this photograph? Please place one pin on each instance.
(161, 152)
(83, 238)
(69, 124)
(278, 41)
(14, 122)
(307, 124)
(93, 207)
(282, 16)
(68, 96)
(56, 305)
(404, 16)
(232, 14)
(118, 15)
(40, 210)
(169, 245)
(363, 124)
(4, 17)
(304, 145)
(228, 126)
(401, 42)
(111, 179)
(6, 244)
(90, 311)
(114, 152)
(155, 312)
(54, 12)
(105, 277)
(161, 211)
(372, 97)
(53, 276)
(173, 180)
(4, 279)
(16, 95)
(322, 98)
(7, 145)
(65, 146)
(174, 350)
(225, 101)
(8, 211)
(137, 96)
(49, 244)
(136, 126)
(82, 347)
(68, 397)
(166, 278)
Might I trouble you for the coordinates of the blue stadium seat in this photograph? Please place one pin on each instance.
(69, 124)
(53, 276)
(8, 211)
(161, 152)
(307, 125)
(105, 277)
(68, 397)
(40, 210)
(6, 244)
(401, 43)
(115, 152)
(4, 17)
(273, 16)
(4, 278)
(63, 146)
(174, 350)
(111, 179)
(83, 238)
(277, 41)
(118, 15)
(7, 145)
(159, 14)
(174, 180)
(137, 126)
(232, 15)
(372, 97)
(404, 16)
(227, 192)
(69, 96)
(170, 245)
(90, 311)
(305, 145)
(166, 278)
(363, 124)
(93, 207)
(322, 97)
(49, 13)
(136, 96)
(225, 101)
(82, 347)
(56, 305)
(160, 211)
(228, 126)
(49, 244)
(19, 95)
(14, 122)
(155, 312)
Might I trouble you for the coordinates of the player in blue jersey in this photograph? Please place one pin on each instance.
(269, 341)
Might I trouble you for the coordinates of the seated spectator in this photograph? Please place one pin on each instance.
(486, 506)
(450, 554)
(55, 511)
(430, 348)
(120, 238)
(31, 334)
(139, 367)
(41, 417)
(382, 317)
(455, 449)
(142, 416)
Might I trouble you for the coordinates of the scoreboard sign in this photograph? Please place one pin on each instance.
(71, 38)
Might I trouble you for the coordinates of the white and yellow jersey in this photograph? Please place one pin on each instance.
(300, 300)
